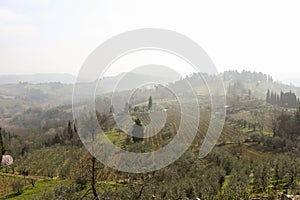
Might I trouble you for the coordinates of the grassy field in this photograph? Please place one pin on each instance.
(44, 186)
(37, 191)
(8, 180)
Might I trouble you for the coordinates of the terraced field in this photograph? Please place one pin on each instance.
(160, 131)
(6, 183)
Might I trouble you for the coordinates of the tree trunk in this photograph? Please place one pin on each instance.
(93, 179)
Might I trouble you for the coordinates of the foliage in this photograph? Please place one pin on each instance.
(137, 131)
(18, 187)
(287, 99)
(54, 161)
(150, 103)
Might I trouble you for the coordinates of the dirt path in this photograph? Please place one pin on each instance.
(36, 178)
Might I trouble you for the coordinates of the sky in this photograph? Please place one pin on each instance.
(55, 36)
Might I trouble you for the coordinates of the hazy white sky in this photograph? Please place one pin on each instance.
(40, 36)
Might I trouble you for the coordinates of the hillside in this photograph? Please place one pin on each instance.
(255, 157)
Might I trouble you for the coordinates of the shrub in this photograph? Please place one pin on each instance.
(18, 187)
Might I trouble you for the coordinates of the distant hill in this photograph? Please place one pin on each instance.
(239, 83)
(257, 83)
(53, 89)
(56, 89)
(37, 78)
(130, 80)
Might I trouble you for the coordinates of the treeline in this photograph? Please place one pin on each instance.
(196, 79)
(244, 75)
(288, 99)
(18, 145)
(247, 76)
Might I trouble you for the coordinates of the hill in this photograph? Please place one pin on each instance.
(37, 78)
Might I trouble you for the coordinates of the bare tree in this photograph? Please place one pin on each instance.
(274, 114)
(137, 185)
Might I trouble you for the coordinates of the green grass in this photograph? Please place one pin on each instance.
(37, 191)
(47, 185)
(116, 137)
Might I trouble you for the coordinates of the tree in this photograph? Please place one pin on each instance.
(237, 186)
(297, 116)
(70, 131)
(93, 180)
(279, 166)
(1, 146)
(268, 96)
(137, 131)
(76, 139)
(259, 119)
(135, 188)
(274, 114)
(288, 99)
(261, 176)
(111, 109)
(150, 103)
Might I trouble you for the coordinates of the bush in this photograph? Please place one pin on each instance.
(67, 192)
(18, 187)
(81, 182)
(257, 138)
(61, 192)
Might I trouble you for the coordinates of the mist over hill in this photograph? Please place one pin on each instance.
(289, 78)
(149, 73)
(156, 74)
(53, 89)
(37, 78)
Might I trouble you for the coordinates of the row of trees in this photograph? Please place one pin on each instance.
(246, 76)
(288, 99)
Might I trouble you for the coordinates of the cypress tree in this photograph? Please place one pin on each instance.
(268, 96)
(70, 131)
(138, 131)
(111, 109)
(150, 103)
(277, 99)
